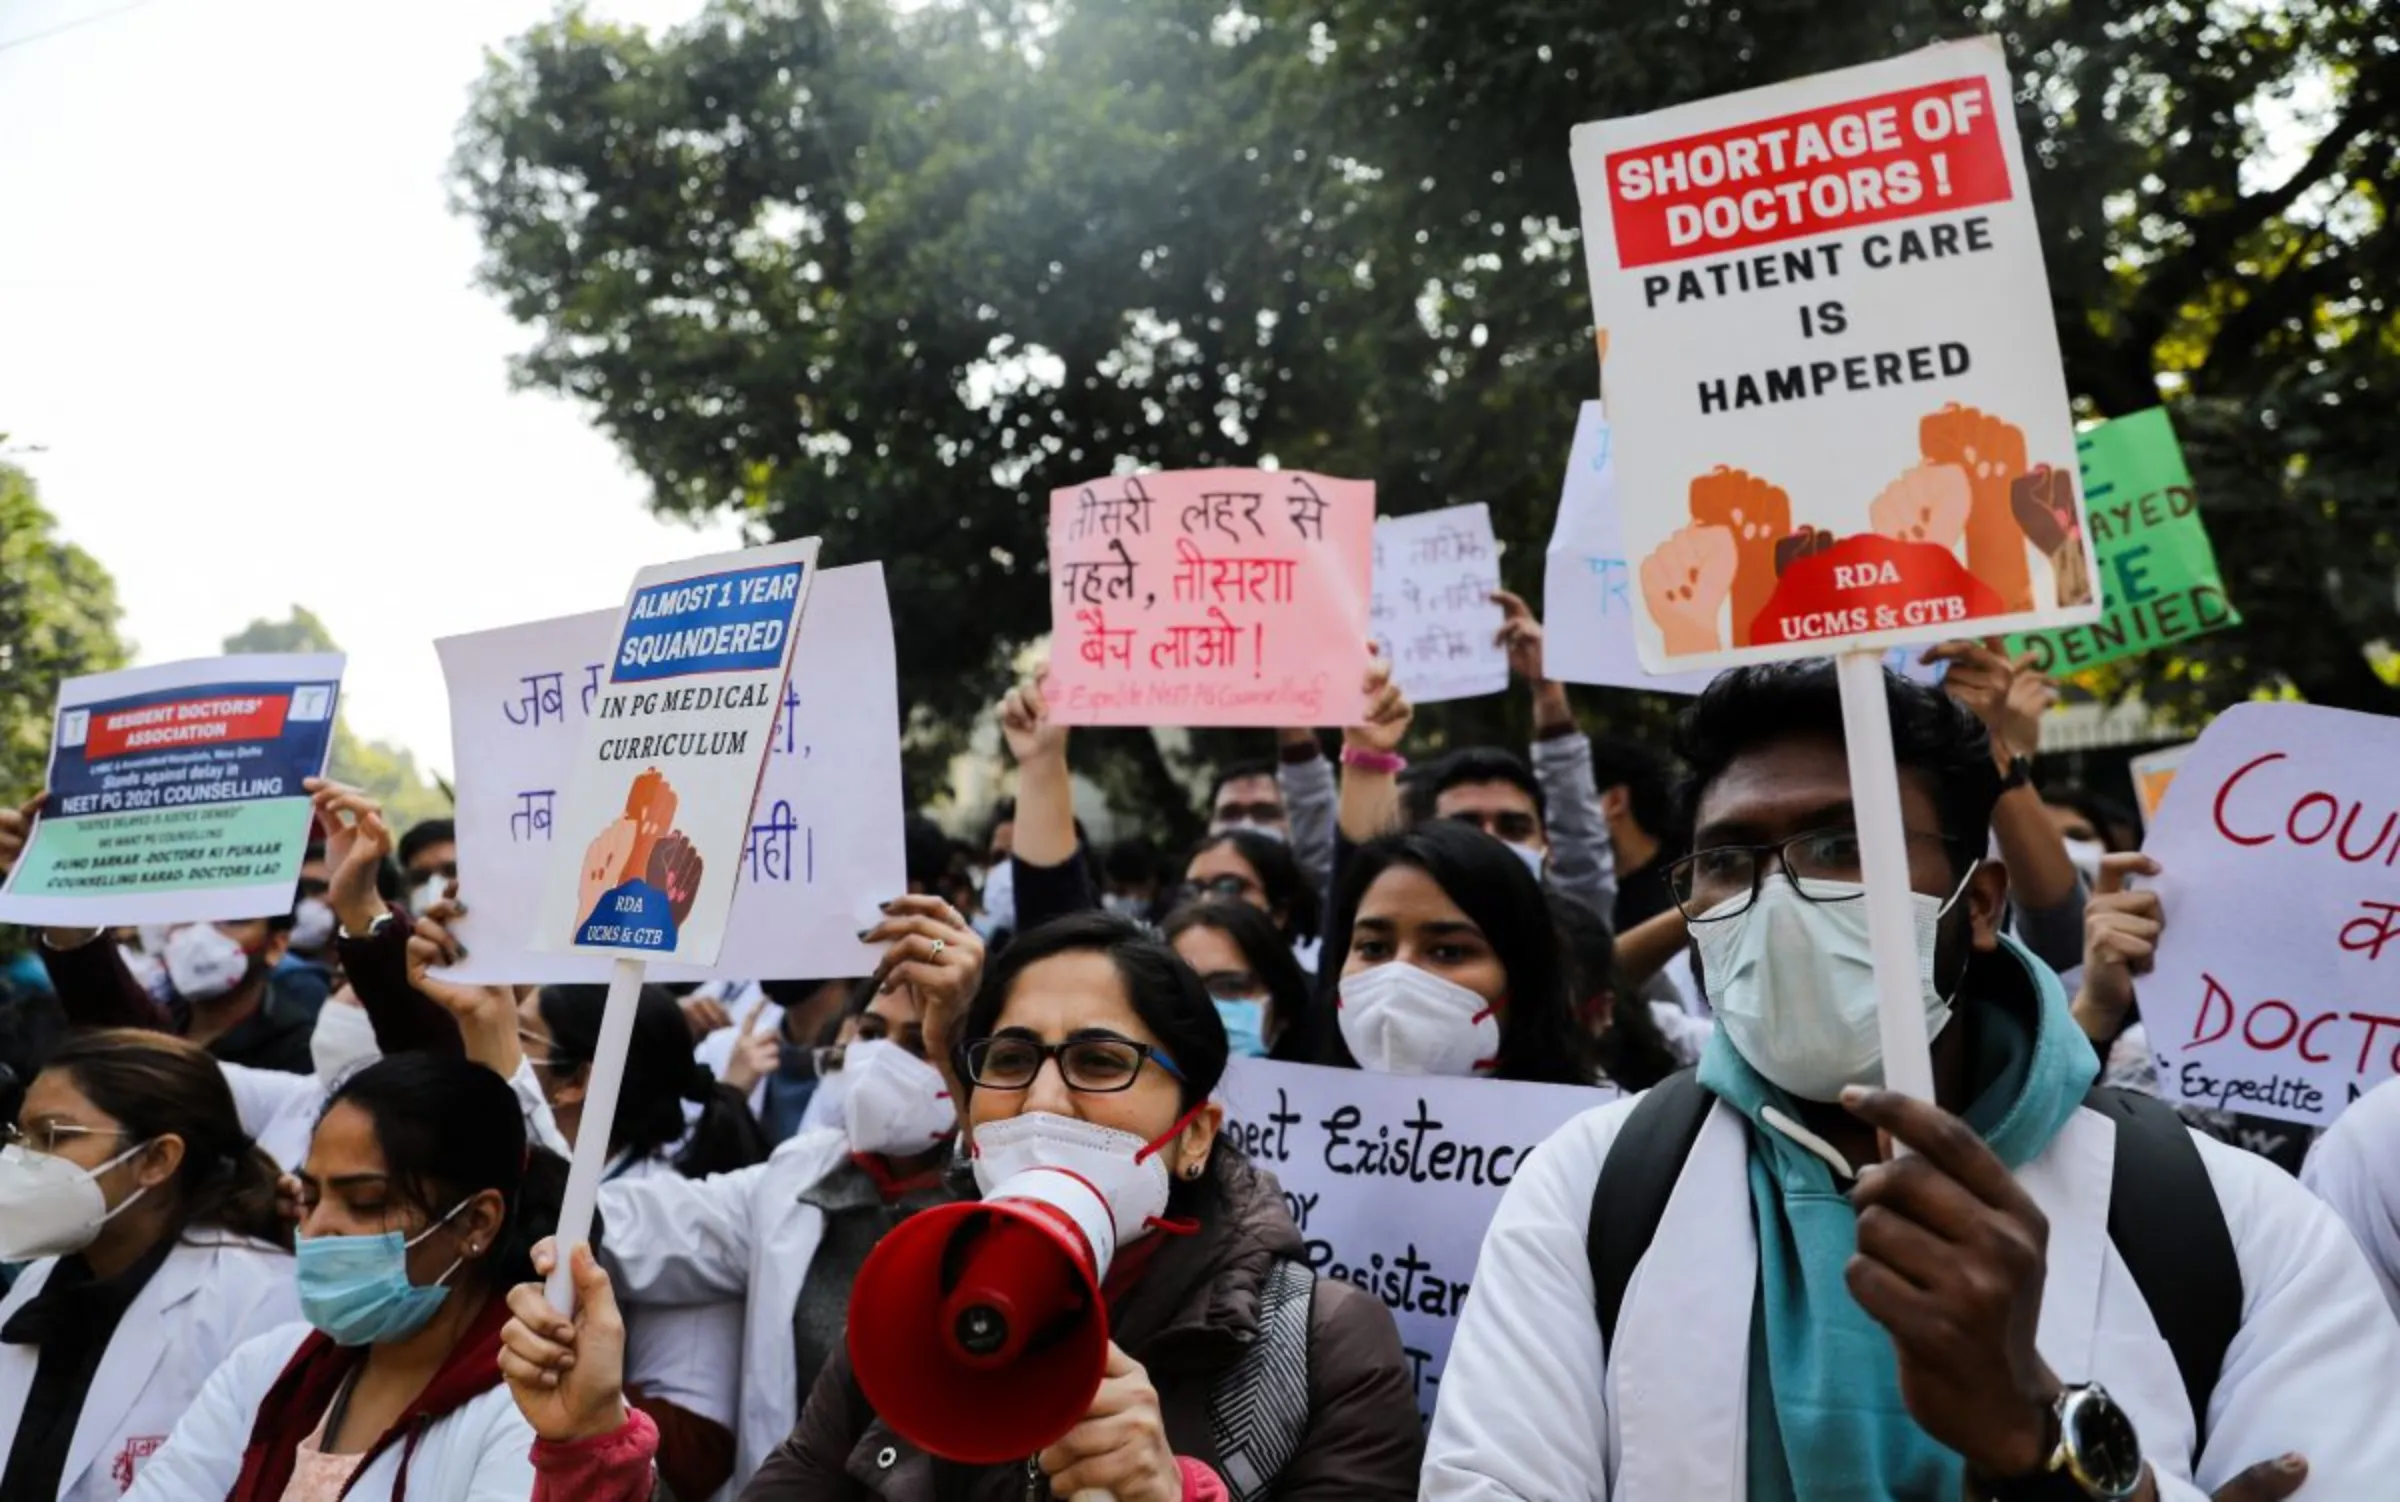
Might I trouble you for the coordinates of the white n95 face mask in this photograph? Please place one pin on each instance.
(1793, 984)
(343, 1040)
(1400, 1019)
(50, 1207)
(893, 1102)
(312, 925)
(204, 962)
(1111, 1183)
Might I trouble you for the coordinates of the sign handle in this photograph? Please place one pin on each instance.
(1883, 852)
(599, 1110)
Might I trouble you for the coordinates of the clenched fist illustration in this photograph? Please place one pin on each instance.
(1755, 515)
(1685, 583)
(1805, 542)
(2044, 505)
(1992, 453)
(1928, 504)
(604, 863)
(675, 870)
(650, 803)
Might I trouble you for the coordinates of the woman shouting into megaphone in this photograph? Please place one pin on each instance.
(1212, 1364)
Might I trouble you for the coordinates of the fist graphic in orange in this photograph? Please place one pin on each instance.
(1991, 451)
(1756, 515)
(650, 804)
(604, 864)
(1930, 503)
(1685, 583)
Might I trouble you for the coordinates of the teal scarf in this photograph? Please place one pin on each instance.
(1826, 1419)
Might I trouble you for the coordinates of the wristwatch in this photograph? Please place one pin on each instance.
(382, 921)
(2019, 772)
(2098, 1457)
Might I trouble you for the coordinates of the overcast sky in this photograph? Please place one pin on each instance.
(237, 317)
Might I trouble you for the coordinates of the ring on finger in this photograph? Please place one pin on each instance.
(935, 952)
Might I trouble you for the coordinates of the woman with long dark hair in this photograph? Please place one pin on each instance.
(1441, 959)
(149, 1222)
(1260, 991)
(420, 1204)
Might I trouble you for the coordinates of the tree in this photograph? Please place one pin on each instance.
(386, 771)
(58, 620)
(889, 276)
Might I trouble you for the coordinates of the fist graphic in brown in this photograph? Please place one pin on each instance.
(650, 804)
(675, 869)
(1800, 544)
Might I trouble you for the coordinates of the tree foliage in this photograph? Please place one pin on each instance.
(890, 275)
(58, 619)
(386, 771)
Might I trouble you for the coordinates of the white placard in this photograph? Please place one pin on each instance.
(1832, 367)
(1433, 615)
(1588, 600)
(827, 843)
(2276, 990)
(1392, 1178)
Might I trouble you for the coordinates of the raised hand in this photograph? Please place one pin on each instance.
(16, 827)
(568, 1377)
(357, 842)
(1520, 636)
(2009, 695)
(1025, 725)
(755, 1054)
(1388, 709)
(1685, 583)
(1757, 515)
(1928, 504)
(932, 951)
(2120, 939)
(486, 1015)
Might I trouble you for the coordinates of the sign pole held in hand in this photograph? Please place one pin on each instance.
(1883, 859)
(657, 802)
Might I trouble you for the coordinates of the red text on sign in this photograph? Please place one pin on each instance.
(2265, 813)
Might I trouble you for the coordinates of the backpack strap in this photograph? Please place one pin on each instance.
(1643, 1164)
(2166, 1223)
(1258, 1410)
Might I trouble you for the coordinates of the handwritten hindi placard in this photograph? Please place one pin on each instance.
(2276, 990)
(1433, 613)
(1588, 601)
(1235, 597)
(1392, 1178)
(825, 841)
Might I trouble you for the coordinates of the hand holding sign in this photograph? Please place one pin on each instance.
(1686, 581)
(16, 827)
(2120, 936)
(357, 841)
(1520, 636)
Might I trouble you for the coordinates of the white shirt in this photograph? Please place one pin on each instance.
(2355, 1168)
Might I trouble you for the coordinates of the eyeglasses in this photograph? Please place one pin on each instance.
(1721, 882)
(1091, 1066)
(50, 1135)
(1243, 815)
(1513, 826)
(1227, 888)
(1232, 985)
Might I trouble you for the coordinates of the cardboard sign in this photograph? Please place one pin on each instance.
(654, 811)
(2276, 990)
(175, 793)
(1588, 606)
(1232, 597)
(2153, 773)
(1392, 1178)
(1433, 613)
(826, 839)
(1834, 381)
(2158, 574)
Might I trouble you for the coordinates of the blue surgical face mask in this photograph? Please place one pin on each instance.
(356, 1288)
(1245, 1026)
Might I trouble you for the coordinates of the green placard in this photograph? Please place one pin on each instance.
(2157, 577)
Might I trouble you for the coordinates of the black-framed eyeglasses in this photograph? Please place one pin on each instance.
(1226, 888)
(1092, 1066)
(1512, 825)
(1247, 815)
(1823, 865)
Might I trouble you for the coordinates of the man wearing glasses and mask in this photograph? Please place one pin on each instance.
(2047, 1293)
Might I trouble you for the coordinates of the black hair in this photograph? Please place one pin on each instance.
(1422, 788)
(2104, 815)
(927, 852)
(1540, 1038)
(1130, 862)
(1631, 1052)
(451, 1129)
(1235, 772)
(1264, 950)
(1933, 736)
(155, 1084)
(423, 835)
(661, 1073)
(1286, 886)
(1648, 780)
(1003, 812)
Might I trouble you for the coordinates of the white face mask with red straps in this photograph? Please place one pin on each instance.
(1111, 1183)
(1400, 1019)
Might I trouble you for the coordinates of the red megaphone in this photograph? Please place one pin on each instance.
(977, 1331)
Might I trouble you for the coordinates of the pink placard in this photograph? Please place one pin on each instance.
(1210, 597)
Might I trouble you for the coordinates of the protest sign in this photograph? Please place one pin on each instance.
(825, 843)
(175, 793)
(653, 813)
(1587, 603)
(2153, 773)
(1835, 387)
(1392, 1178)
(2158, 575)
(1433, 614)
(2276, 987)
(1232, 597)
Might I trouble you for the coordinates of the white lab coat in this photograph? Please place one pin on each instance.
(481, 1451)
(2355, 1168)
(214, 1291)
(277, 1108)
(1530, 1411)
(739, 1235)
(687, 1354)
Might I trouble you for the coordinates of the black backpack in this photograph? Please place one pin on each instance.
(2163, 1218)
